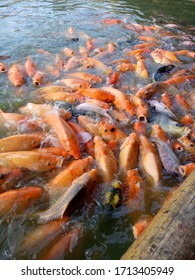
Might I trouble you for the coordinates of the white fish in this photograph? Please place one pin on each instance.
(57, 210)
(93, 108)
(162, 108)
(167, 156)
(170, 126)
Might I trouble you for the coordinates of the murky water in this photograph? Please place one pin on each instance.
(30, 25)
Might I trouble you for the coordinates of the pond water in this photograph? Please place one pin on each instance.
(30, 25)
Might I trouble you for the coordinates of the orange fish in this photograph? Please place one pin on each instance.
(150, 89)
(70, 97)
(106, 161)
(158, 132)
(72, 63)
(18, 200)
(120, 117)
(22, 142)
(57, 210)
(90, 44)
(177, 146)
(142, 109)
(9, 177)
(82, 135)
(44, 52)
(93, 79)
(3, 68)
(33, 161)
(148, 39)
(150, 160)
(63, 246)
(38, 78)
(124, 67)
(134, 183)
(59, 62)
(56, 151)
(15, 117)
(16, 75)
(181, 80)
(185, 170)
(98, 103)
(114, 78)
(121, 101)
(140, 128)
(166, 100)
(110, 132)
(40, 237)
(182, 102)
(69, 174)
(128, 155)
(75, 84)
(111, 21)
(164, 57)
(138, 51)
(144, 46)
(50, 89)
(91, 62)
(68, 52)
(89, 124)
(141, 69)
(139, 227)
(186, 120)
(30, 67)
(188, 144)
(97, 93)
(65, 134)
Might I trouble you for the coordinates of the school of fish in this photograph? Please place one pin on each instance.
(118, 115)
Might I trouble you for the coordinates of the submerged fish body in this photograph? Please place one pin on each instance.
(169, 126)
(169, 160)
(150, 160)
(41, 236)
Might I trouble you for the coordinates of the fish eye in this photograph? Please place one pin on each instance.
(113, 129)
(48, 163)
(146, 93)
(191, 145)
(105, 130)
(3, 69)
